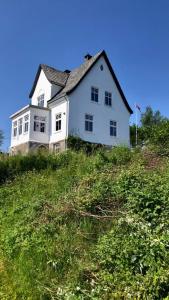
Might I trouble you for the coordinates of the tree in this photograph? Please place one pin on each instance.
(1, 137)
(149, 121)
(150, 118)
(160, 137)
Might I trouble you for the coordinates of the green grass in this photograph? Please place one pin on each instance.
(85, 227)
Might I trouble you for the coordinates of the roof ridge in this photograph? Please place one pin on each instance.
(45, 65)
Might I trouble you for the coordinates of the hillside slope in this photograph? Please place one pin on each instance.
(95, 227)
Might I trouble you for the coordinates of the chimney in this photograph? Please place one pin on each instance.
(67, 71)
(87, 56)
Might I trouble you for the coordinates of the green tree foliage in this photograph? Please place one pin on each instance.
(1, 137)
(150, 118)
(151, 122)
(160, 137)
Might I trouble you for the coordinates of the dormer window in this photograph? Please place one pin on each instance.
(41, 100)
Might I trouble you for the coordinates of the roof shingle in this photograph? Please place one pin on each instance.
(69, 81)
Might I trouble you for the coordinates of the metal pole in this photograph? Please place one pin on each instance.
(136, 124)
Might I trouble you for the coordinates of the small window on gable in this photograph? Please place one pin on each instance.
(113, 128)
(41, 100)
(94, 94)
(58, 122)
(14, 128)
(88, 122)
(108, 99)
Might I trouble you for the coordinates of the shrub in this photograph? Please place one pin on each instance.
(76, 143)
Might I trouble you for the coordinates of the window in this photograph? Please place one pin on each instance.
(101, 67)
(39, 123)
(41, 100)
(88, 122)
(58, 121)
(108, 98)
(20, 126)
(26, 123)
(113, 128)
(94, 94)
(14, 128)
(56, 147)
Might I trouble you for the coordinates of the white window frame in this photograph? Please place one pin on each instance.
(108, 99)
(58, 120)
(40, 122)
(89, 119)
(20, 126)
(26, 124)
(94, 94)
(15, 129)
(41, 100)
(113, 127)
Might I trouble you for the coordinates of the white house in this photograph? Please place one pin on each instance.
(87, 102)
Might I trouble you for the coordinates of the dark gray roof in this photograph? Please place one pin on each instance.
(76, 76)
(55, 76)
(69, 81)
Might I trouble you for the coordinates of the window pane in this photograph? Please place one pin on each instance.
(90, 126)
(113, 128)
(36, 126)
(94, 94)
(41, 100)
(42, 127)
(58, 125)
(26, 127)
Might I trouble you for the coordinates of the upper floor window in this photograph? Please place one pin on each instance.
(58, 121)
(14, 128)
(94, 94)
(88, 122)
(20, 125)
(108, 98)
(113, 128)
(41, 100)
(26, 123)
(39, 124)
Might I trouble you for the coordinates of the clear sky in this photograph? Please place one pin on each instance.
(135, 35)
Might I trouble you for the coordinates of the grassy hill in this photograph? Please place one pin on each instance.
(77, 226)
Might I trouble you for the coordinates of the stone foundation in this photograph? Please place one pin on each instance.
(58, 146)
(25, 148)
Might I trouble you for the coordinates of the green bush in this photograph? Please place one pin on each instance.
(76, 143)
(14, 165)
(160, 138)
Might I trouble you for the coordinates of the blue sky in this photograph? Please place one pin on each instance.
(135, 35)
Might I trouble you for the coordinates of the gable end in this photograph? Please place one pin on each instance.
(103, 53)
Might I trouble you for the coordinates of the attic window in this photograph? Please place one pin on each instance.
(101, 67)
(41, 100)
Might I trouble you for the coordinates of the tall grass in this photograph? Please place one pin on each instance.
(77, 226)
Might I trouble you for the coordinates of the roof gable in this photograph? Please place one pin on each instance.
(69, 81)
(77, 75)
(53, 76)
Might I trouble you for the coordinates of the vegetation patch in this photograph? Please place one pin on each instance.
(80, 226)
